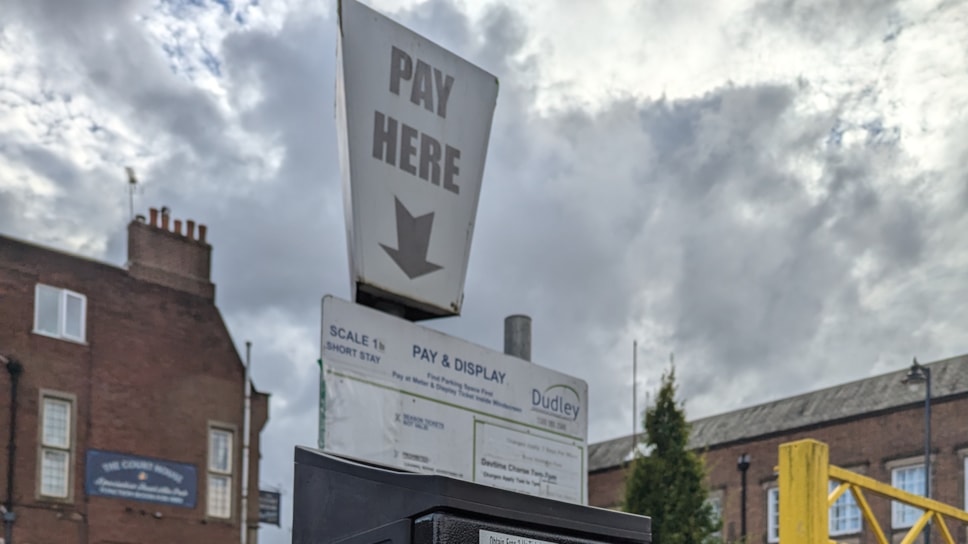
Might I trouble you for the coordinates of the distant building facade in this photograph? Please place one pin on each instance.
(873, 426)
(122, 397)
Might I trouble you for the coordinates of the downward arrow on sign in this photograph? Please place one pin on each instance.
(413, 239)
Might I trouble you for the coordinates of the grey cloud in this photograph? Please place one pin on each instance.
(46, 163)
(102, 49)
(824, 20)
(746, 263)
(294, 221)
(98, 50)
(439, 20)
(70, 21)
(504, 36)
(54, 216)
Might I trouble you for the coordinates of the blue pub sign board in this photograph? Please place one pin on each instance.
(123, 476)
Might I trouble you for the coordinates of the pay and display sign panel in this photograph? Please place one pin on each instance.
(414, 122)
(403, 395)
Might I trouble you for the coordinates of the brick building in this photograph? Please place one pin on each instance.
(873, 426)
(128, 396)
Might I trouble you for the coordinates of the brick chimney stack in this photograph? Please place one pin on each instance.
(175, 260)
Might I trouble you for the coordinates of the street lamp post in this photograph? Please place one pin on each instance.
(743, 464)
(917, 374)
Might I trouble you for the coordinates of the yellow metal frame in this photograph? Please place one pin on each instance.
(804, 501)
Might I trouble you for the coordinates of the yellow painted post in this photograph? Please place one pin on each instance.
(804, 472)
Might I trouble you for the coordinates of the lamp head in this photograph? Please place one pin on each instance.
(743, 463)
(917, 374)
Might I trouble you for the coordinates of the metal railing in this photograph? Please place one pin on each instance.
(804, 500)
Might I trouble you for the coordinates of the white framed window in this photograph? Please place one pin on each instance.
(773, 514)
(845, 516)
(715, 502)
(911, 479)
(55, 446)
(59, 313)
(220, 472)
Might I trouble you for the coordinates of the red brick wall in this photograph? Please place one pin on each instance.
(168, 258)
(865, 445)
(157, 367)
(606, 489)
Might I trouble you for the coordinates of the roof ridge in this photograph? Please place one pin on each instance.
(798, 411)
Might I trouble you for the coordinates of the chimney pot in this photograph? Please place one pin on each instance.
(154, 216)
(177, 262)
(190, 229)
(202, 230)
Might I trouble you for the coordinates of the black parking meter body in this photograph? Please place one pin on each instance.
(337, 500)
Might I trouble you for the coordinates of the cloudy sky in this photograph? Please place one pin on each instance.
(774, 191)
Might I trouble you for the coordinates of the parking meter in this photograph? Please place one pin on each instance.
(338, 500)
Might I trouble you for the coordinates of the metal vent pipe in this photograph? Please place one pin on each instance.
(517, 336)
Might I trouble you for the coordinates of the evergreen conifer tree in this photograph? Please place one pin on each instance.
(668, 481)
